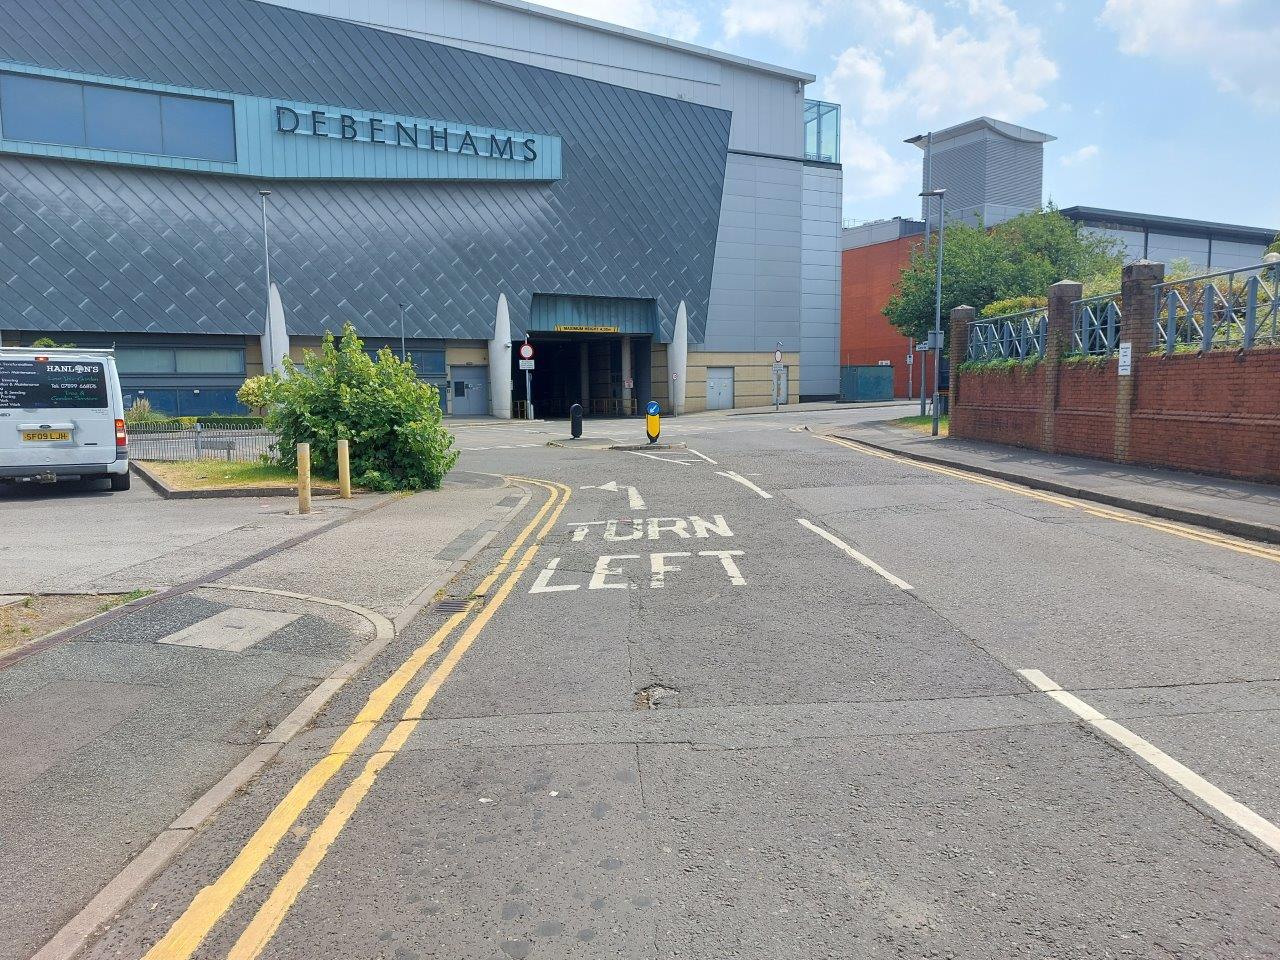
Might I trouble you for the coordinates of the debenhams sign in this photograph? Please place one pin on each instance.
(436, 136)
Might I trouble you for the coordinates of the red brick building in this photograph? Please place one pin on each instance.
(871, 262)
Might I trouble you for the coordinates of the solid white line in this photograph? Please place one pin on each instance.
(661, 459)
(704, 457)
(1261, 829)
(745, 482)
(861, 558)
(634, 500)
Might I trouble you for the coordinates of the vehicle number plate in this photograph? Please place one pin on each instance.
(37, 435)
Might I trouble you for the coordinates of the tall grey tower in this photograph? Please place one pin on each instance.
(992, 170)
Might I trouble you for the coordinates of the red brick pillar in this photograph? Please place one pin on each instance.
(1137, 326)
(960, 317)
(1057, 342)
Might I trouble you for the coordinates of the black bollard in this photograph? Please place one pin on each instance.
(575, 420)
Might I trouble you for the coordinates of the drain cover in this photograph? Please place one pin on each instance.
(453, 605)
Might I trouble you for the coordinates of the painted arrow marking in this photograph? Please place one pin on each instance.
(634, 500)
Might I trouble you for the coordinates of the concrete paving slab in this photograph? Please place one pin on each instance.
(232, 630)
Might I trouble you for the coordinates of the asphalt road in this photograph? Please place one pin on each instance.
(763, 698)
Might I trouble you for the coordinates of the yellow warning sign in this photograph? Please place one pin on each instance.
(579, 328)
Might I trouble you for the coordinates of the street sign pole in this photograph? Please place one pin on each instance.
(526, 364)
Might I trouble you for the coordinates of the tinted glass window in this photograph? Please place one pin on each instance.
(43, 110)
(198, 128)
(144, 360)
(52, 384)
(118, 119)
(210, 360)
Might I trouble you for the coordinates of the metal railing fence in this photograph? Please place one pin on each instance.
(1095, 325)
(1014, 336)
(1230, 309)
(172, 441)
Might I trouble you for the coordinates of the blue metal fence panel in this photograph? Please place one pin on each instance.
(863, 383)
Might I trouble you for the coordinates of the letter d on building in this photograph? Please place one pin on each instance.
(283, 113)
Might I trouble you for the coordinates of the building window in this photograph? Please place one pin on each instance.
(223, 360)
(822, 131)
(44, 110)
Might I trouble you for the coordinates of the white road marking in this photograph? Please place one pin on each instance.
(661, 459)
(543, 583)
(634, 500)
(745, 482)
(1261, 829)
(861, 558)
(704, 457)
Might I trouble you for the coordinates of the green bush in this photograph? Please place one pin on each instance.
(1000, 308)
(391, 419)
(141, 412)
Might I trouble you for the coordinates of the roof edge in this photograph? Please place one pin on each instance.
(602, 26)
(1185, 224)
(1011, 130)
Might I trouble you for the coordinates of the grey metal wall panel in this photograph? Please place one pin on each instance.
(88, 246)
(820, 279)
(768, 111)
(756, 288)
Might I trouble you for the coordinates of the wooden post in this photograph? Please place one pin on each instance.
(344, 470)
(304, 478)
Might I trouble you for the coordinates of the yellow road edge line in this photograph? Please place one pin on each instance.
(273, 911)
(212, 902)
(516, 544)
(1187, 533)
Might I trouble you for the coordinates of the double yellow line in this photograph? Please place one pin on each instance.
(1177, 529)
(212, 903)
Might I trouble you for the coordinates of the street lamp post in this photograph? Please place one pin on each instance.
(937, 301)
(403, 355)
(266, 260)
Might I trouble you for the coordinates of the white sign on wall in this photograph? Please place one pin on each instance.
(1126, 358)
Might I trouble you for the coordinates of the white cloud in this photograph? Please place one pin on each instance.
(1083, 155)
(923, 74)
(1233, 41)
(788, 21)
(670, 18)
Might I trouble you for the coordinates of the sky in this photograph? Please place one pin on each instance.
(1165, 107)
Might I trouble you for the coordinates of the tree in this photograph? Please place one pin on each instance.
(1018, 258)
(392, 420)
(50, 342)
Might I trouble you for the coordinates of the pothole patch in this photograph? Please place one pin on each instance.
(656, 696)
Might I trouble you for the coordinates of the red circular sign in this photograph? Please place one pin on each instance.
(526, 351)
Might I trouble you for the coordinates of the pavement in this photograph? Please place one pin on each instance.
(109, 737)
(768, 694)
(1246, 509)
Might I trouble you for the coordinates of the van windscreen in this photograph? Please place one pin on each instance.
(26, 382)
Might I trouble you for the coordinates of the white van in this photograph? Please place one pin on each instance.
(61, 416)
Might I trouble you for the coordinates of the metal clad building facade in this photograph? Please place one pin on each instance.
(597, 183)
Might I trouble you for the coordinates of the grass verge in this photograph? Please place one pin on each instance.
(219, 475)
(922, 424)
(32, 617)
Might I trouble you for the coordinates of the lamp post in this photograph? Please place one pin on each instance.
(266, 261)
(403, 355)
(937, 301)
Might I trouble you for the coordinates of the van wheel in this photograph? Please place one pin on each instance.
(120, 481)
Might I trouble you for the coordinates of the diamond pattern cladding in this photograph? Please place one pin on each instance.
(97, 247)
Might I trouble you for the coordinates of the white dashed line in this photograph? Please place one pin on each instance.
(745, 482)
(1261, 829)
(704, 457)
(861, 558)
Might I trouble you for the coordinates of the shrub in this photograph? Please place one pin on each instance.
(391, 419)
(255, 392)
(1000, 308)
(141, 412)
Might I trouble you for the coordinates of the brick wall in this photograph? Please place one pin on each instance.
(1218, 413)
(868, 278)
